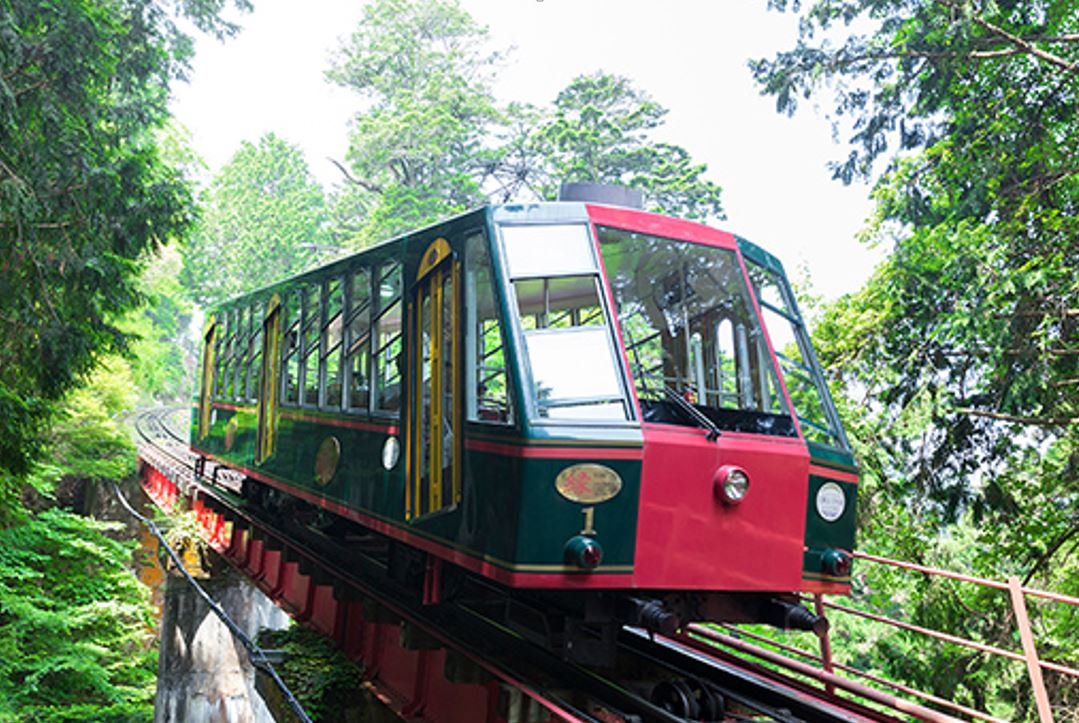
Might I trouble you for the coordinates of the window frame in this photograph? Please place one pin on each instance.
(524, 366)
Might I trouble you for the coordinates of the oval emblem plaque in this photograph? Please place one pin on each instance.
(329, 452)
(588, 483)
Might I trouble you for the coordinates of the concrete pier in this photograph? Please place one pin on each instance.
(204, 675)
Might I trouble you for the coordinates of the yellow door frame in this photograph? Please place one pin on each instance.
(209, 338)
(268, 381)
(436, 268)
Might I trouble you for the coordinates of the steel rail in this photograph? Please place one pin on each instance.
(904, 706)
(611, 693)
(928, 697)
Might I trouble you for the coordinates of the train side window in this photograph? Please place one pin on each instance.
(358, 330)
(487, 394)
(388, 340)
(219, 357)
(331, 345)
(255, 351)
(790, 342)
(290, 353)
(242, 339)
(309, 337)
(230, 352)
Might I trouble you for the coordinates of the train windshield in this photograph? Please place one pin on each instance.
(690, 328)
(801, 372)
(568, 342)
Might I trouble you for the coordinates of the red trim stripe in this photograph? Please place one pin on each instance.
(833, 474)
(233, 407)
(458, 557)
(338, 422)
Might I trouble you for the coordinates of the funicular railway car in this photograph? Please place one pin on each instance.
(615, 412)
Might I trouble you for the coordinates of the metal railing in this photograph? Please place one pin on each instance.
(825, 672)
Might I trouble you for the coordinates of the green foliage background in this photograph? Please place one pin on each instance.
(959, 359)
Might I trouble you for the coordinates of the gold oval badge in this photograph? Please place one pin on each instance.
(588, 483)
(329, 452)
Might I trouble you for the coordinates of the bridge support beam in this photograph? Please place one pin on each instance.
(203, 673)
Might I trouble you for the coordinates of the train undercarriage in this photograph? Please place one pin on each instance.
(581, 626)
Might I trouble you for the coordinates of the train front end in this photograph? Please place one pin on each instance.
(678, 351)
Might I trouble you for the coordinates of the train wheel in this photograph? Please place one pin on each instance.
(709, 702)
(676, 697)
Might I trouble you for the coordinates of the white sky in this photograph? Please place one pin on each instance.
(690, 55)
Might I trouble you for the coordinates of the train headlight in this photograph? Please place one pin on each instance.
(835, 562)
(584, 552)
(731, 484)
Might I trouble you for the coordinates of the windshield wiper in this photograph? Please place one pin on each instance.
(697, 415)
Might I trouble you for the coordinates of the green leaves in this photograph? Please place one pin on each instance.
(431, 140)
(423, 72)
(265, 219)
(600, 131)
(75, 641)
(84, 193)
(962, 351)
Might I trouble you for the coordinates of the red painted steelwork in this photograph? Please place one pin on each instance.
(905, 706)
(412, 683)
(686, 538)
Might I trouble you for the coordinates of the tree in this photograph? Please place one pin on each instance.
(418, 150)
(976, 306)
(84, 193)
(265, 218)
(162, 350)
(600, 131)
(76, 634)
(962, 350)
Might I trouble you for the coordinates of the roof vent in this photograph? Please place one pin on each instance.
(608, 194)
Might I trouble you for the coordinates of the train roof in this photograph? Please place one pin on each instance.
(531, 212)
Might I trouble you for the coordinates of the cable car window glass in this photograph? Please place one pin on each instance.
(388, 340)
(230, 356)
(290, 353)
(487, 391)
(689, 325)
(797, 362)
(255, 351)
(240, 354)
(548, 250)
(568, 341)
(573, 375)
(219, 356)
(332, 333)
(359, 335)
(310, 341)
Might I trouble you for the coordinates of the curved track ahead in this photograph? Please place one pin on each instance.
(656, 679)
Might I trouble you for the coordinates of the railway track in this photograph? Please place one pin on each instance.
(656, 678)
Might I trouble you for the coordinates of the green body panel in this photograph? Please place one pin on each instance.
(821, 535)
(510, 513)
(548, 520)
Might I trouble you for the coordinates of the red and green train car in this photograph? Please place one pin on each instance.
(581, 400)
